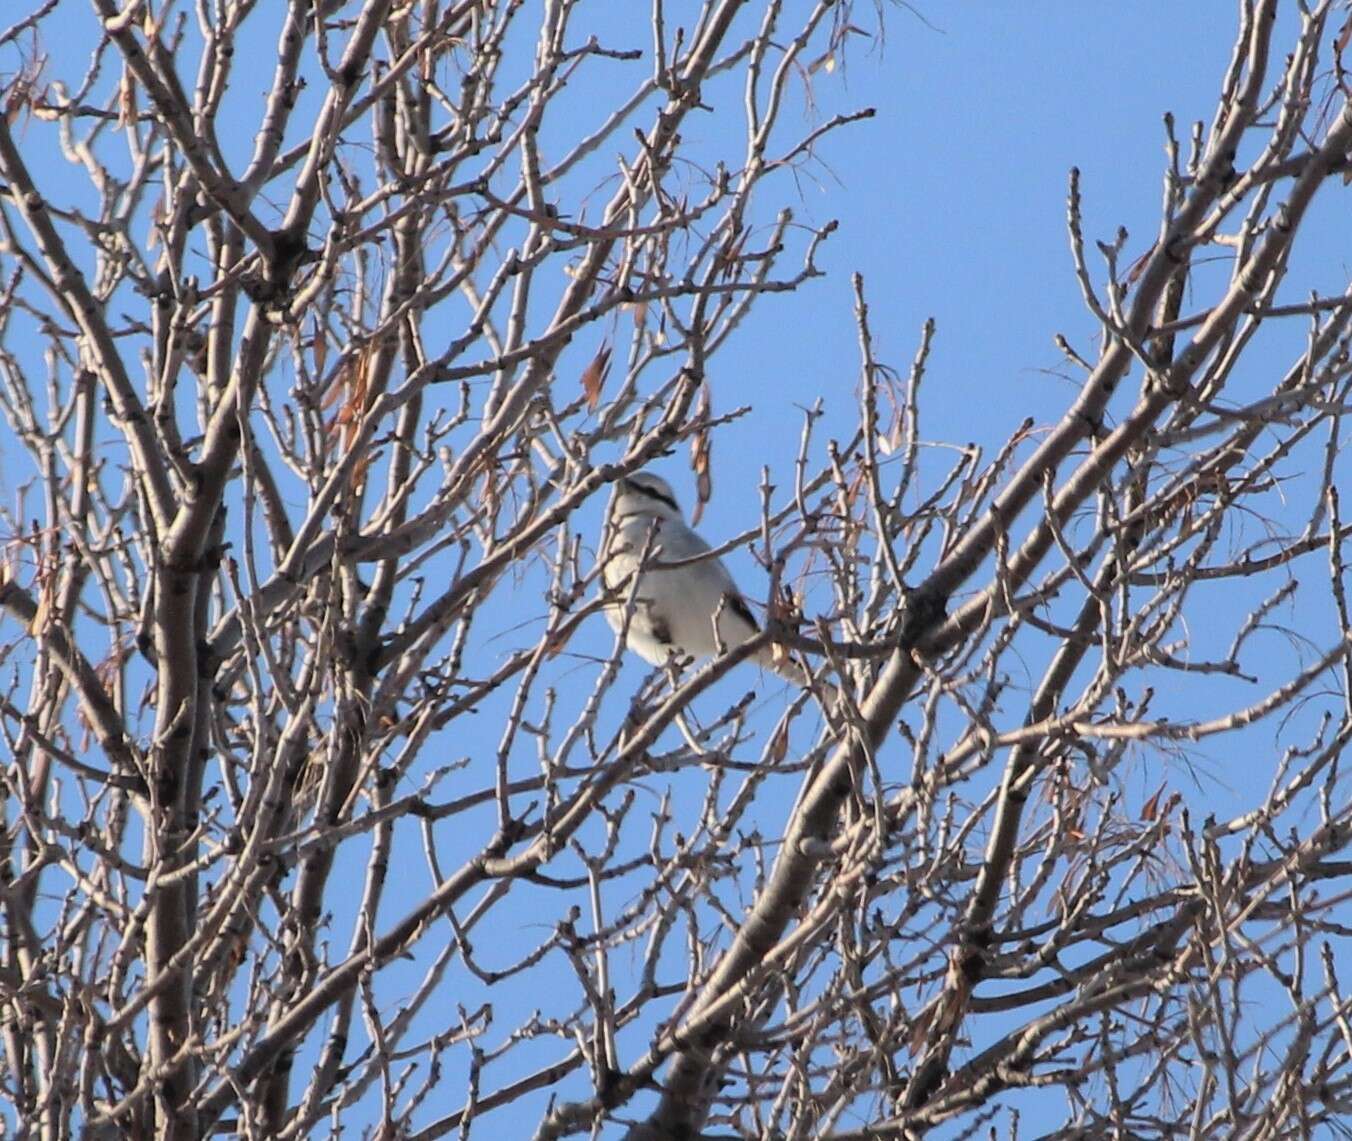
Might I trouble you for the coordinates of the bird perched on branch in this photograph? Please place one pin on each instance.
(683, 591)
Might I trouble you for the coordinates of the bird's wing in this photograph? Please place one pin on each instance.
(737, 604)
(682, 542)
(692, 545)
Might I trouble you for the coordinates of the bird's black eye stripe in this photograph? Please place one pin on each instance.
(654, 493)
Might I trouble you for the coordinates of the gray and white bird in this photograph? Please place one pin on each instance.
(675, 607)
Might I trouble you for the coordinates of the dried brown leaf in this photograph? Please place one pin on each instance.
(360, 469)
(126, 100)
(42, 615)
(704, 489)
(46, 584)
(944, 1012)
(18, 99)
(594, 376)
(1150, 809)
(729, 254)
(338, 387)
(786, 609)
(701, 457)
(779, 745)
(1138, 266)
(156, 223)
(353, 380)
(319, 344)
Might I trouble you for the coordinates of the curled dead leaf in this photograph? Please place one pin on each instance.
(779, 745)
(319, 346)
(1138, 266)
(360, 469)
(1150, 809)
(701, 457)
(594, 376)
(352, 382)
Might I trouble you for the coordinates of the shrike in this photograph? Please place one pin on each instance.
(675, 607)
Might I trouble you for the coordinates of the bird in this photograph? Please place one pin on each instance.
(675, 607)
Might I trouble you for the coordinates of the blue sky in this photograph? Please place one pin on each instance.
(951, 204)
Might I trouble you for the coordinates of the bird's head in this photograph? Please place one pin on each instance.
(644, 495)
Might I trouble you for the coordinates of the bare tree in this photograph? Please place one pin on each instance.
(310, 402)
